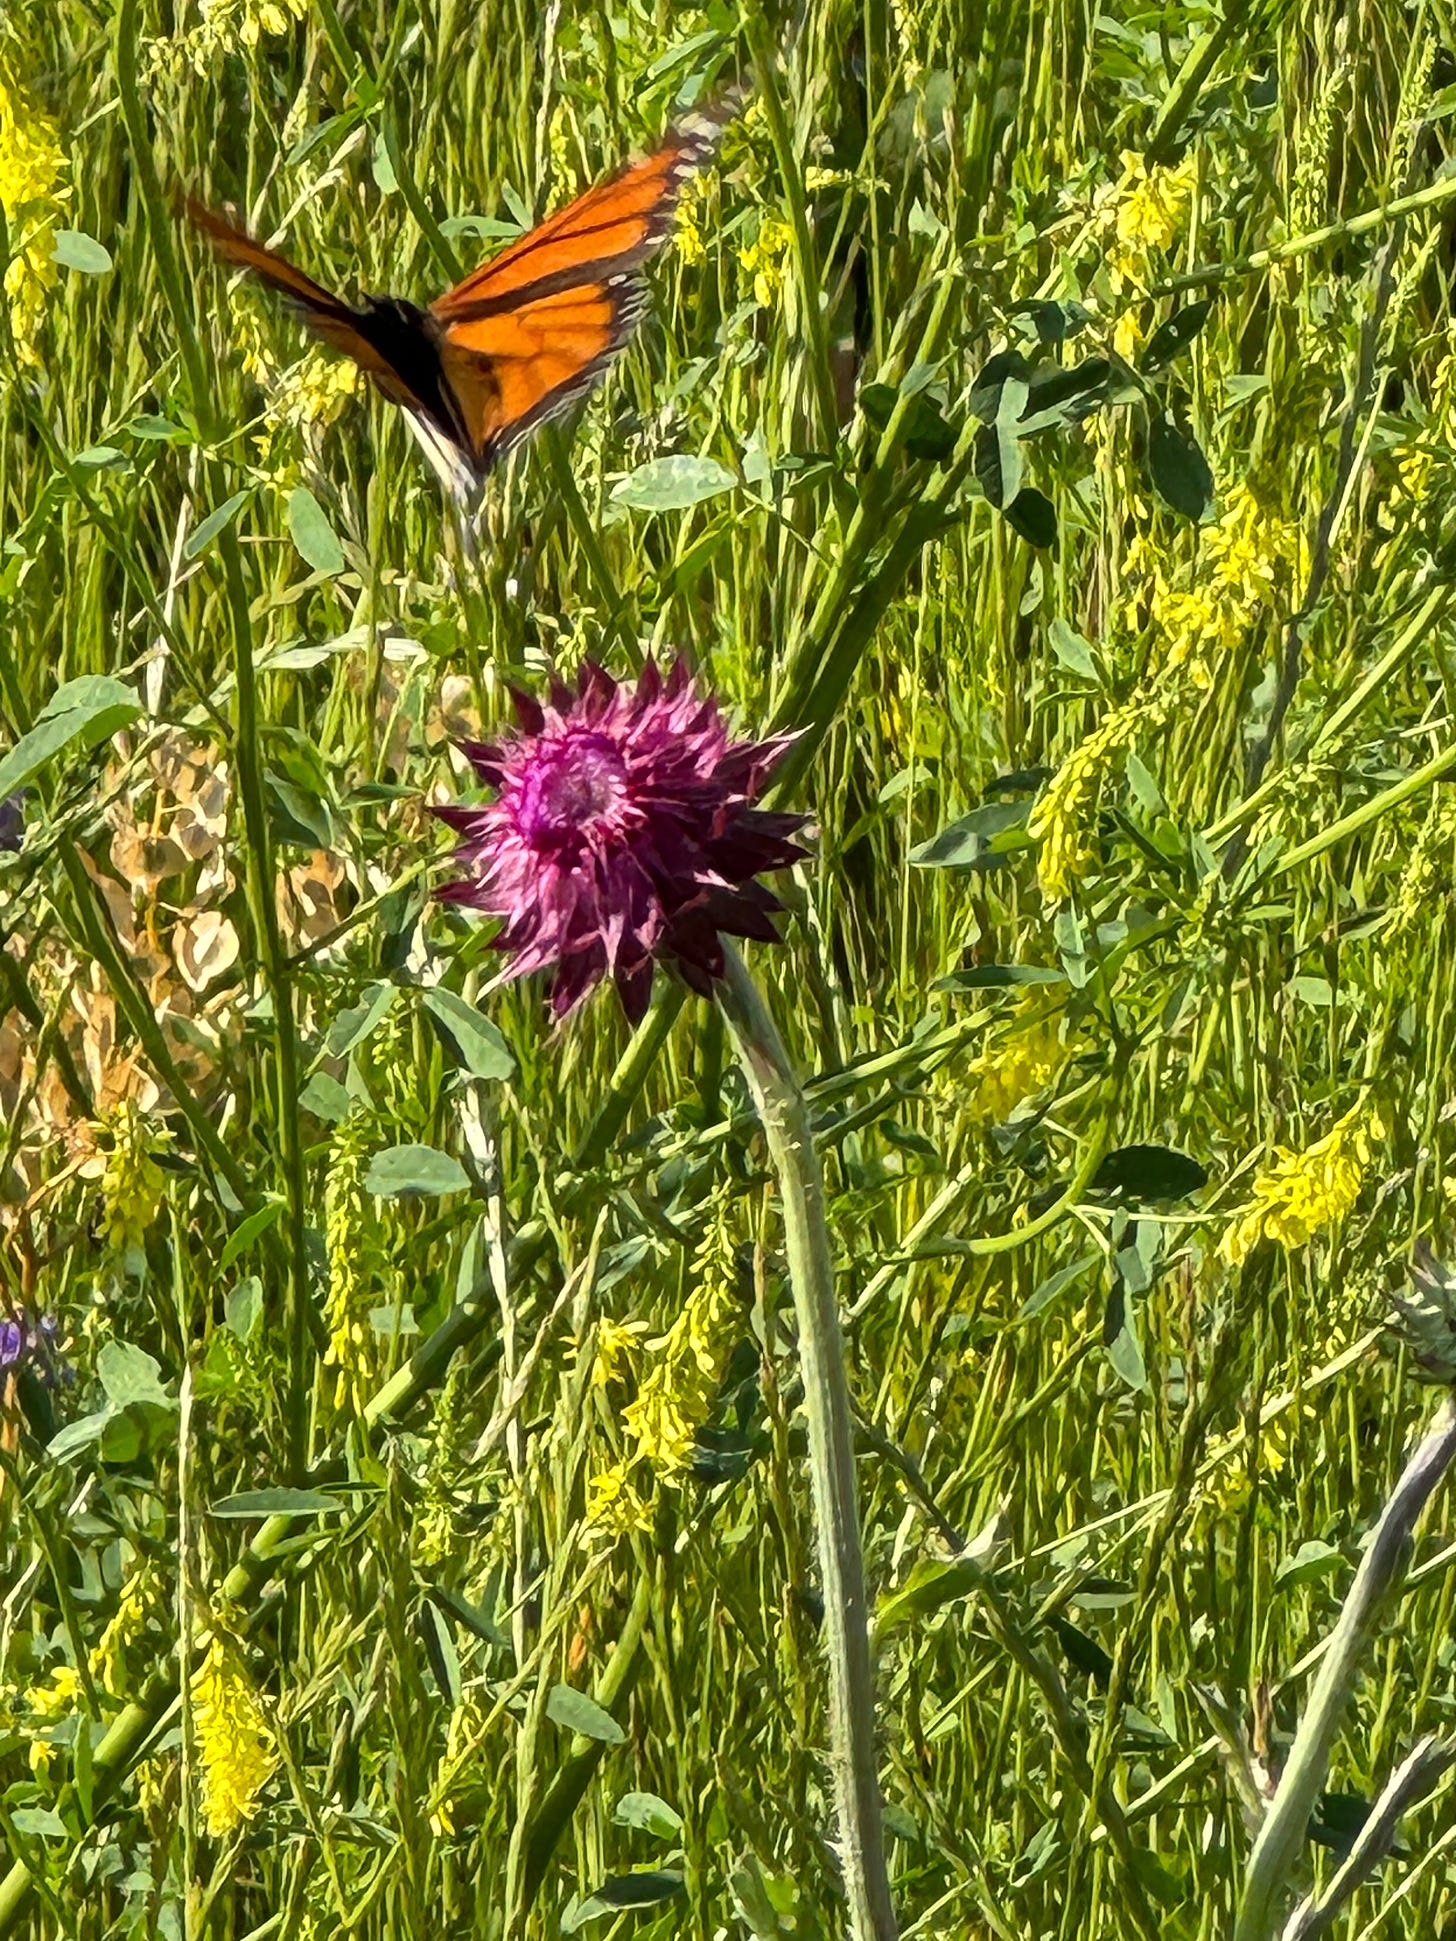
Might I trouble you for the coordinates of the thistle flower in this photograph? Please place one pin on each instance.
(621, 834)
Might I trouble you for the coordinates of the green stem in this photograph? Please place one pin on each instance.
(631, 1071)
(247, 754)
(787, 1130)
(1368, 812)
(1273, 1862)
(568, 1789)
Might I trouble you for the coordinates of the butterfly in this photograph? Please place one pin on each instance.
(521, 338)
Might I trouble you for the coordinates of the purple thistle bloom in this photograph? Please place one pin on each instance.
(622, 832)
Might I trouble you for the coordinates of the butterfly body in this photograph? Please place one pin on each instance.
(521, 338)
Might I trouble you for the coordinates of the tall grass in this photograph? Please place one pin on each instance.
(219, 945)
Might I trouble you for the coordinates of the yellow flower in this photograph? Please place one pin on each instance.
(689, 234)
(1151, 209)
(763, 259)
(32, 161)
(657, 1424)
(1248, 564)
(616, 1346)
(614, 1505)
(55, 1699)
(1302, 1194)
(1062, 818)
(349, 1236)
(127, 1628)
(32, 187)
(313, 392)
(1018, 1065)
(1128, 336)
(235, 1741)
(133, 1183)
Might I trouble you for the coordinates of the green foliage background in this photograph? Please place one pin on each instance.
(1229, 675)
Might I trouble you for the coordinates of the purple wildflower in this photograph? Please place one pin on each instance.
(622, 833)
(26, 1338)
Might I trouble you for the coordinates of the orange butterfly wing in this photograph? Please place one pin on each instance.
(326, 315)
(531, 330)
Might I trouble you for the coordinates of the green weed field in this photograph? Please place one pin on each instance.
(406, 1431)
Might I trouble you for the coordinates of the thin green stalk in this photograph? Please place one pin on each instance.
(1273, 1862)
(1209, 275)
(1368, 812)
(262, 906)
(568, 1789)
(789, 1135)
(631, 1071)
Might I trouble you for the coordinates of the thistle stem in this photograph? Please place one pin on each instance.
(1273, 1862)
(785, 1119)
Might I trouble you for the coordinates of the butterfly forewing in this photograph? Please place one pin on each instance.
(522, 337)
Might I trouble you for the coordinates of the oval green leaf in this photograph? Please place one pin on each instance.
(470, 1035)
(673, 484)
(75, 250)
(400, 1172)
(311, 532)
(577, 1713)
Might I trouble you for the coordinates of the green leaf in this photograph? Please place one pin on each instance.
(79, 1435)
(1032, 514)
(1312, 1560)
(40, 1821)
(624, 1890)
(202, 536)
(243, 1308)
(401, 1171)
(276, 1502)
(1083, 1651)
(965, 843)
(930, 1585)
(326, 1098)
(439, 1642)
(1179, 470)
(79, 715)
(1072, 650)
(1173, 336)
(1148, 1174)
(249, 1230)
(1125, 1353)
(673, 484)
(312, 533)
(998, 462)
(129, 1375)
(576, 1712)
(100, 458)
(1055, 1284)
(1056, 396)
(476, 1043)
(650, 1814)
(351, 1027)
(75, 250)
(988, 387)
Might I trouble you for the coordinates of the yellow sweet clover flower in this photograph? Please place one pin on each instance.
(235, 1741)
(688, 235)
(225, 26)
(56, 1699)
(1418, 463)
(126, 1628)
(616, 1347)
(614, 1504)
(763, 259)
(677, 1387)
(1427, 872)
(1249, 564)
(349, 1239)
(1149, 211)
(312, 393)
(1303, 1194)
(33, 168)
(1062, 817)
(466, 1721)
(1128, 336)
(132, 1183)
(1021, 1063)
